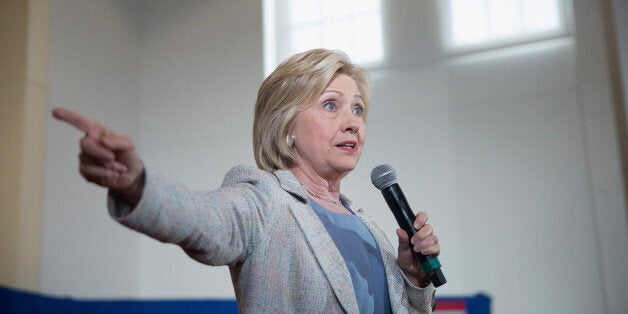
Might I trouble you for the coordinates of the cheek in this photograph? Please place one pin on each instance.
(363, 134)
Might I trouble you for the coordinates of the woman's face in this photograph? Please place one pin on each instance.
(330, 133)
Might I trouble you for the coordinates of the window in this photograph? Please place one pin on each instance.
(482, 23)
(353, 26)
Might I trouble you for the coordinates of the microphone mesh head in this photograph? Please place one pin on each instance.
(383, 176)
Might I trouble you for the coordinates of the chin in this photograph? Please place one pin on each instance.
(347, 167)
(343, 165)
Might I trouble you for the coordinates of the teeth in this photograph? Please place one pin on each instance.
(349, 145)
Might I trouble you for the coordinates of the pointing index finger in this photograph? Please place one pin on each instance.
(77, 120)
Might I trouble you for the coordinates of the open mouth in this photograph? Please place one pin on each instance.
(348, 145)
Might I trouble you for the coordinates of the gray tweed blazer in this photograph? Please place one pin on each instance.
(260, 224)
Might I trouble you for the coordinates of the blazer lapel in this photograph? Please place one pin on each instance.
(321, 243)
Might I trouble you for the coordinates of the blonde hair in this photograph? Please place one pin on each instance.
(298, 80)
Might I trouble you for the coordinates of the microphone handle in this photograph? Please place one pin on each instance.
(405, 218)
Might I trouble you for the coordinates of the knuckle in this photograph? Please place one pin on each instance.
(428, 229)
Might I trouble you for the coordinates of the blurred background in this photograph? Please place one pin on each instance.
(505, 120)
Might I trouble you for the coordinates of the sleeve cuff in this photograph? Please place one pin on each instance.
(422, 298)
(116, 209)
(120, 211)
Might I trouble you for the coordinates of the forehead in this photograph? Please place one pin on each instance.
(342, 83)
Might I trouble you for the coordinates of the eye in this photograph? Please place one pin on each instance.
(330, 105)
(358, 111)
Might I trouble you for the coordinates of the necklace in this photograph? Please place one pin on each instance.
(321, 197)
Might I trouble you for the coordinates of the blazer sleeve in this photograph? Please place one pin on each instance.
(421, 299)
(218, 227)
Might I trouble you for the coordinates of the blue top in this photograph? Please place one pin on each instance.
(361, 254)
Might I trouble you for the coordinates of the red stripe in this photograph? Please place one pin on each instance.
(450, 305)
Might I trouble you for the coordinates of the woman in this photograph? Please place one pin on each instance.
(292, 242)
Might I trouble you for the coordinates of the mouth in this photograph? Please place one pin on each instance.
(348, 146)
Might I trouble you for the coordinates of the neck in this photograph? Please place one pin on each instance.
(325, 187)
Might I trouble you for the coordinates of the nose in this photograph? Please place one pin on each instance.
(352, 123)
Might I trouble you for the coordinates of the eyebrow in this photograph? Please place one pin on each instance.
(340, 93)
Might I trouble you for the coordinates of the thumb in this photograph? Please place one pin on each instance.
(124, 150)
(404, 242)
(404, 252)
(117, 142)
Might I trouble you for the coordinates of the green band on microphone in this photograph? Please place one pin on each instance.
(430, 265)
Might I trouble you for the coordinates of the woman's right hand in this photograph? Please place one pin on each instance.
(106, 158)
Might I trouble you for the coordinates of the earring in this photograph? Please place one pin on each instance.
(290, 139)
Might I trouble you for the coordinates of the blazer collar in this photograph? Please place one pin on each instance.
(290, 184)
(320, 242)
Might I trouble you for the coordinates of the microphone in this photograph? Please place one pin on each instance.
(384, 178)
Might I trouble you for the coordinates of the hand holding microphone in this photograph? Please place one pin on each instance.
(384, 178)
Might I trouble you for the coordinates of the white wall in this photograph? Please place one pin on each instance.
(513, 152)
(93, 69)
(620, 14)
(201, 65)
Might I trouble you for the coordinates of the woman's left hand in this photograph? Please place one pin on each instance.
(424, 241)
